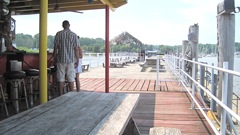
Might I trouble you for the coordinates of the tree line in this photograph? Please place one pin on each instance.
(97, 45)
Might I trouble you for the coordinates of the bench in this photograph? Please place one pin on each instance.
(114, 64)
(148, 64)
(164, 131)
(76, 113)
(85, 67)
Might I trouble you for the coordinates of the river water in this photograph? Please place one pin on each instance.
(236, 80)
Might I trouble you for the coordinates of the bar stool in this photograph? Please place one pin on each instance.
(16, 79)
(31, 76)
(48, 82)
(53, 84)
(3, 102)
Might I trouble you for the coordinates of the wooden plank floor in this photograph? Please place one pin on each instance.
(92, 84)
(167, 107)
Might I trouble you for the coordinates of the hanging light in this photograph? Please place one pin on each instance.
(4, 10)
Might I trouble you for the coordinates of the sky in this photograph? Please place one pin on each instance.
(156, 22)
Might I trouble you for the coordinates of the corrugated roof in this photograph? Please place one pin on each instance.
(25, 7)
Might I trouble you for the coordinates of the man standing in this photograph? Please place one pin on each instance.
(78, 69)
(66, 56)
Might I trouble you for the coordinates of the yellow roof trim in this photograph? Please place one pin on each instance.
(109, 4)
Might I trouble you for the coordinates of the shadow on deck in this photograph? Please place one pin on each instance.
(169, 106)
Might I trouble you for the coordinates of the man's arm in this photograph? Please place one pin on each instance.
(80, 53)
(76, 51)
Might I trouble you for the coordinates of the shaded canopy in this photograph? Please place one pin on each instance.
(25, 7)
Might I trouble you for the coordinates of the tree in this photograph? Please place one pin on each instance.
(23, 40)
(36, 40)
(96, 48)
(51, 41)
(98, 45)
(102, 49)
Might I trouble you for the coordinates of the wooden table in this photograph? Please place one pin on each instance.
(75, 113)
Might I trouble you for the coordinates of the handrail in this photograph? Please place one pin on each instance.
(96, 59)
(196, 83)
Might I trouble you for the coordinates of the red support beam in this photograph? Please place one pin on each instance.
(107, 51)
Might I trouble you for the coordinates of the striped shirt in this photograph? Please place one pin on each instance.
(66, 41)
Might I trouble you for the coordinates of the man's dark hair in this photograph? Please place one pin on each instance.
(65, 24)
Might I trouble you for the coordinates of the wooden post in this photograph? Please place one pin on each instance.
(226, 40)
(193, 41)
(202, 78)
(213, 91)
(184, 47)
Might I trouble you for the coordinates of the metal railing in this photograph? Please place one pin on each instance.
(192, 85)
(97, 59)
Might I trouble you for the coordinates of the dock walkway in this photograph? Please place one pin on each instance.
(167, 106)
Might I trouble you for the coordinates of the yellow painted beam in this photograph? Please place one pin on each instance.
(108, 3)
(116, 1)
(43, 51)
(214, 119)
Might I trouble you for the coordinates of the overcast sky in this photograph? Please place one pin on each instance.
(154, 22)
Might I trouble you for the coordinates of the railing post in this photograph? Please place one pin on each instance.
(183, 69)
(179, 69)
(97, 59)
(157, 81)
(173, 61)
(202, 79)
(213, 90)
(193, 85)
(90, 57)
(224, 98)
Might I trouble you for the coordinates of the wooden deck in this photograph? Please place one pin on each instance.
(98, 84)
(167, 107)
(75, 113)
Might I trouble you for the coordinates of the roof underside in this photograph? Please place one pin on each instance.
(25, 7)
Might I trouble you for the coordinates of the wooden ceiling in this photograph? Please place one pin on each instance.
(25, 7)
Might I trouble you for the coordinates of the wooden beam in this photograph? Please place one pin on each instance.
(117, 1)
(70, 7)
(24, 7)
(108, 3)
(61, 4)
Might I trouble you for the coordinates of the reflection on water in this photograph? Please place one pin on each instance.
(236, 80)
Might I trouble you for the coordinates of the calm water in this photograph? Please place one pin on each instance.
(236, 80)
